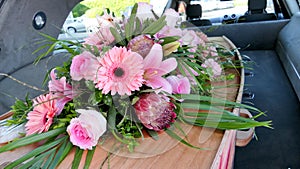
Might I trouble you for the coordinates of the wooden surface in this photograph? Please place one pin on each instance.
(166, 153)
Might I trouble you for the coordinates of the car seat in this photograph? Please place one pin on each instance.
(257, 12)
(194, 14)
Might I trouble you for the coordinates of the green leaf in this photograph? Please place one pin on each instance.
(217, 100)
(111, 118)
(77, 158)
(58, 155)
(38, 159)
(155, 26)
(41, 56)
(32, 139)
(153, 134)
(48, 161)
(138, 26)
(175, 136)
(89, 158)
(35, 152)
(129, 27)
(117, 36)
(169, 39)
(66, 151)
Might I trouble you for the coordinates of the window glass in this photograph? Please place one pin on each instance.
(216, 10)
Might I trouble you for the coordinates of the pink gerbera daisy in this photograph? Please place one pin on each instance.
(121, 72)
(41, 117)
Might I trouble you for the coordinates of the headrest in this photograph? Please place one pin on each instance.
(194, 11)
(257, 6)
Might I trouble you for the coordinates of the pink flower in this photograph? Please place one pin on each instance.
(62, 91)
(86, 130)
(214, 69)
(190, 73)
(141, 44)
(209, 51)
(190, 38)
(144, 11)
(168, 31)
(94, 39)
(155, 68)
(180, 84)
(41, 117)
(103, 36)
(121, 72)
(202, 36)
(172, 17)
(84, 66)
(107, 19)
(155, 112)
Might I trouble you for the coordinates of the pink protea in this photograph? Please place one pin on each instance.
(41, 117)
(155, 111)
(121, 72)
(141, 44)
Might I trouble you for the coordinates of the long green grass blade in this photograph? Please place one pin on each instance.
(195, 97)
(38, 159)
(58, 155)
(77, 158)
(34, 153)
(41, 56)
(32, 139)
(66, 151)
(175, 136)
(48, 161)
(89, 158)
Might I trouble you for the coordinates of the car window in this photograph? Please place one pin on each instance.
(220, 10)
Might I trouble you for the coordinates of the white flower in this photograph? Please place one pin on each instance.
(144, 11)
(172, 17)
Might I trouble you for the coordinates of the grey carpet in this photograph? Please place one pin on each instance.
(278, 147)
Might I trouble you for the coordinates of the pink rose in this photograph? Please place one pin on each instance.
(84, 66)
(86, 130)
(180, 84)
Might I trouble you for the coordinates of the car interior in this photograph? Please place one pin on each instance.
(269, 43)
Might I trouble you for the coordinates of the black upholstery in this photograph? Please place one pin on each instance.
(194, 11)
(257, 12)
(194, 14)
(257, 17)
(257, 6)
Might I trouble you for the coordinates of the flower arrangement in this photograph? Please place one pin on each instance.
(136, 75)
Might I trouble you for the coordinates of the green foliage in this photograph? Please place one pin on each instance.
(93, 12)
(118, 6)
(79, 10)
(20, 110)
